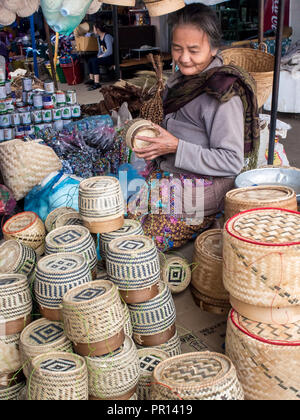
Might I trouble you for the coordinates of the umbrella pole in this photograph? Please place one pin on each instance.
(116, 42)
(35, 63)
(275, 95)
(53, 69)
(261, 18)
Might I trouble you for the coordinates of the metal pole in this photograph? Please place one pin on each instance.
(116, 42)
(53, 69)
(261, 19)
(35, 63)
(275, 96)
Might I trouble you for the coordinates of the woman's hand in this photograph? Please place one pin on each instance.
(162, 145)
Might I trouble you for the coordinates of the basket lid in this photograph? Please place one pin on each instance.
(61, 264)
(57, 363)
(68, 219)
(150, 358)
(10, 252)
(132, 245)
(89, 292)
(211, 243)
(20, 222)
(8, 281)
(42, 332)
(268, 227)
(130, 227)
(260, 194)
(100, 184)
(67, 236)
(280, 335)
(54, 214)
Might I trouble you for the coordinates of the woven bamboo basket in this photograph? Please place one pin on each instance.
(139, 127)
(39, 337)
(132, 264)
(25, 164)
(58, 376)
(27, 228)
(73, 239)
(101, 204)
(153, 321)
(72, 219)
(15, 257)
(22, 395)
(130, 227)
(175, 272)
(114, 376)
(31, 6)
(243, 199)
(149, 359)
(258, 63)
(163, 7)
(15, 303)
(11, 393)
(94, 7)
(12, 5)
(7, 17)
(266, 358)
(10, 360)
(54, 215)
(55, 275)
(128, 329)
(172, 347)
(207, 277)
(94, 318)
(128, 3)
(196, 376)
(261, 264)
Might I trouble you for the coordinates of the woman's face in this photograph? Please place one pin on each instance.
(191, 50)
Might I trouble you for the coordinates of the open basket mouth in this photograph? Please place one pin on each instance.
(20, 222)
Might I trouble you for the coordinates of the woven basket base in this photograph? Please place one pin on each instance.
(139, 296)
(283, 316)
(124, 397)
(51, 314)
(208, 304)
(105, 227)
(14, 327)
(101, 348)
(156, 339)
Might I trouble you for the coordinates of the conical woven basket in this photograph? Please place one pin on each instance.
(130, 227)
(138, 127)
(207, 277)
(172, 347)
(58, 376)
(54, 215)
(196, 376)
(29, 8)
(27, 228)
(73, 239)
(132, 264)
(55, 275)
(39, 337)
(10, 360)
(266, 358)
(261, 262)
(15, 257)
(11, 393)
(149, 359)
(94, 318)
(101, 204)
(25, 164)
(243, 199)
(175, 272)
(163, 7)
(114, 376)
(15, 303)
(259, 64)
(153, 321)
(7, 17)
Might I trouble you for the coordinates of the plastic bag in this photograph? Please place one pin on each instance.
(56, 190)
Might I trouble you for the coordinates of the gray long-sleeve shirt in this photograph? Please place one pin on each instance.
(211, 135)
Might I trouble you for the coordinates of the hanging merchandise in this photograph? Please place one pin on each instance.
(6, 17)
(94, 7)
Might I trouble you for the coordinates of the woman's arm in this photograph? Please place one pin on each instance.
(109, 46)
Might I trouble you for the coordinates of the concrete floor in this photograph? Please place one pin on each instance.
(201, 330)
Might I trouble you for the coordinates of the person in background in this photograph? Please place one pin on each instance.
(105, 56)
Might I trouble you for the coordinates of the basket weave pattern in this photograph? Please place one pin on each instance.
(11, 393)
(15, 257)
(175, 272)
(10, 360)
(15, 297)
(172, 347)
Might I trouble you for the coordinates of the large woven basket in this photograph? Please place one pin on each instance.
(71, 218)
(94, 318)
(58, 376)
(130, 227)
(196, 376)
(15, 257)
(53, 216)
(175, 272)
(11, 393)
(30, 7)
(153, 321)
(243, 199)
(27, 228)
(266, 358)
(149, 359)
(15, 303)
(73, 239)
(163, 7)
(25, 164)
(172, 347)
(101, 204)
(133, 265)
(55, 275)
(261, 264)
(115, 376)
(10, 360)
(39, 337)
(258, 63)
(207, 277)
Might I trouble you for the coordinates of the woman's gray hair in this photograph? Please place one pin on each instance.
(201, 16)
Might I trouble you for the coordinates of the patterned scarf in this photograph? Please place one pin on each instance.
(223, 83)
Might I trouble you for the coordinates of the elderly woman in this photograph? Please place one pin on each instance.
(209, 134)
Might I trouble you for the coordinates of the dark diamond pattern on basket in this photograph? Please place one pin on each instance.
(89, 294)
(46, 334)
(67, 237)
(58, 365)
(149, 363)
(176, 274)
(131, 245)
(62, 265)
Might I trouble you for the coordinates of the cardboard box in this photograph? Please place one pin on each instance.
(85, 43)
